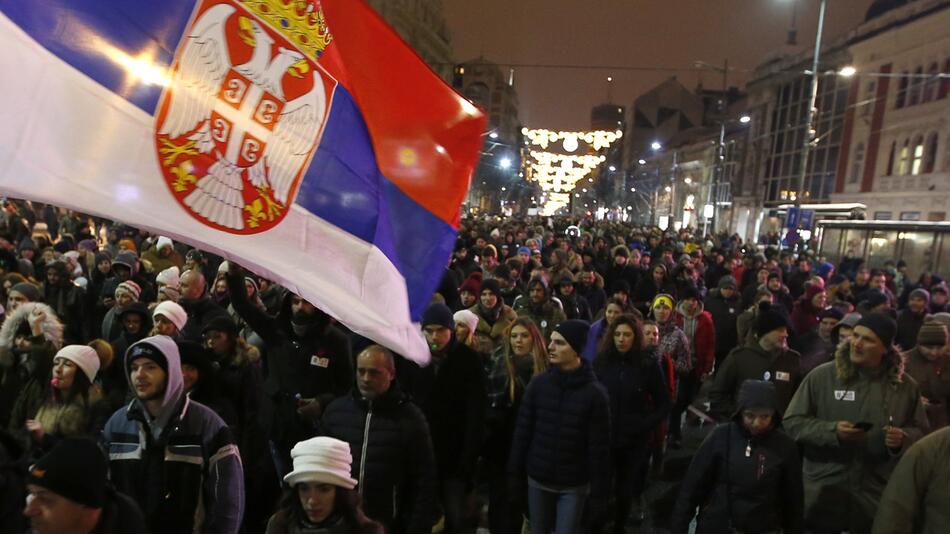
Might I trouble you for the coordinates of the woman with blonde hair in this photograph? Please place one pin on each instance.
(521, 356)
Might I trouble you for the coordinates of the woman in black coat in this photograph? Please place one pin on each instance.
(747, 475)
(639, 401)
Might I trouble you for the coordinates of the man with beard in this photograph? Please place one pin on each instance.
(589, 287)
(308, 365)
(854, 418)
(770, 360)
(175, 457)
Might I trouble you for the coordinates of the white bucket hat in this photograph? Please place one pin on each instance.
(322, 459)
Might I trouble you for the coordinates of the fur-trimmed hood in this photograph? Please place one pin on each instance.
(846, 371)
(52, 327)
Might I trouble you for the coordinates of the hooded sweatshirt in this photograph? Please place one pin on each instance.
(181, 466)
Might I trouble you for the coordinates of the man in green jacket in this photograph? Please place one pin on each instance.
(855, 417)
(768, 359)
(917, 495)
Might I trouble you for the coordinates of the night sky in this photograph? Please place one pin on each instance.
(670, 34)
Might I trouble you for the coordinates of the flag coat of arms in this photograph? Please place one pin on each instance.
(301, 138)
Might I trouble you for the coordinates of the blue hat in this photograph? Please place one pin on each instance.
(524, 250)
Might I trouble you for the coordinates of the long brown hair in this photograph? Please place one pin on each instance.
(539, 352)
(608, 349)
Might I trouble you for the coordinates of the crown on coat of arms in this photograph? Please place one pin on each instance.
(300, 21)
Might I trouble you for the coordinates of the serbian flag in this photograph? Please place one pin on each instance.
(302, 139)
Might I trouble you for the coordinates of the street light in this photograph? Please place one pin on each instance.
(642, 161)
(848, 71)
(810, 110)
(612, 168)
(493, 135)
(745, 119)
(656, 145)
(668, 189)
(505, 163)
(688, 180)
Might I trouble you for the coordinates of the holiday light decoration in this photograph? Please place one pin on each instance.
(558, 173)
(597, 139)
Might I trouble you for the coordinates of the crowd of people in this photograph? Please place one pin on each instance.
(147, 386)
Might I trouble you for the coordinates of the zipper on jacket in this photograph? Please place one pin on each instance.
(369, 416)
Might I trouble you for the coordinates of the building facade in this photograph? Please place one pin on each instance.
(422, 25)
(898, 121)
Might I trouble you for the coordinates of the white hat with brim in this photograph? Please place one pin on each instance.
(322, 459)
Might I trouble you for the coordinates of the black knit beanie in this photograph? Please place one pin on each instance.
(770, 318)
(439, 314)
(882, 325)
(74, 468)
(575, 332)
(492, 285)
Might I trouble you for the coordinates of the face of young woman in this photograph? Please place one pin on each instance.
(624, 338)
(317, 500)
(64, 374)
(662, 313)
(521, 342)
(612, 312)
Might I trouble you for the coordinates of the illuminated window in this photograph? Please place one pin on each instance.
(918, 155)
(903, 161)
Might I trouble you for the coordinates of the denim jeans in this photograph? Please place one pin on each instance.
(555, 511)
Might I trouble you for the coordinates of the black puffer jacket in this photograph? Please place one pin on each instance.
(742, 483)
(639, 398)
(395, 466)
(563, 432)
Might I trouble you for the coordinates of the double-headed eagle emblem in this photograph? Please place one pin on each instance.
(240, 120)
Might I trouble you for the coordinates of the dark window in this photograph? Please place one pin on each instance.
(945, 82)
(915, 84)
(931, 83)
(890, 159)
(902, 91)
(930, 154)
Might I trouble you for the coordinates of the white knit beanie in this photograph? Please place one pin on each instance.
(321, 459)
(468, 318)
(168, 277)
(84, 357)
(173, 312)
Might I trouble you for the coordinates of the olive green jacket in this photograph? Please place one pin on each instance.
(917, 498)
(844, 481)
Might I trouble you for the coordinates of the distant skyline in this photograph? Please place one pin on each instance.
(667, 35)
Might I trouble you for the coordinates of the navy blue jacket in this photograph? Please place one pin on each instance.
(639, 398)
(563, 433)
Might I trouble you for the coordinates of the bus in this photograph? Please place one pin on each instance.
(924, 246)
